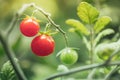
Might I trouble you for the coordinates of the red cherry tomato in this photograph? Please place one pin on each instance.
(29, 27)
(43, 45)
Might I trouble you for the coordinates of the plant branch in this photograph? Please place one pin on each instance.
(83, 68)
(11, 56)
(87, 67)
(111, 72)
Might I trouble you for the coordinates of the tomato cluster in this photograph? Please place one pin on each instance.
(42, 44)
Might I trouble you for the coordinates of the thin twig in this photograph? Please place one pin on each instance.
(111, 72)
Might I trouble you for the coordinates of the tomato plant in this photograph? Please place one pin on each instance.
(29, 26)
(91, 28)
(43, 45)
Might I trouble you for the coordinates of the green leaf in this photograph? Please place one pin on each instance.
(101, 23)
(7, 72)
(102, 34)
(78, 26)
(87, 12)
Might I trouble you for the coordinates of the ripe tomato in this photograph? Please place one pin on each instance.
(68, 56)
(43, 45)
(29, 27)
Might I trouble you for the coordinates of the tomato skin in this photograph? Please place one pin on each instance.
(29, 27)
(69, 56)
(43, 45)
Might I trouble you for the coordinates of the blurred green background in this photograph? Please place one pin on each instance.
(37, 68)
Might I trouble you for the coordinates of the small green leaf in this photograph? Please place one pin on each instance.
(87, 12)
(101, 23)
(102, 34)
(7, 72)
(78, 26)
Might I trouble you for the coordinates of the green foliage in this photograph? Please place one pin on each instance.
(93, 29)
(78, 26)
(104, 50)
(87, 13)
(101, 23)
(102, 34)
(7, 72)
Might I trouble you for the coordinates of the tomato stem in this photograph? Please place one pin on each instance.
(47, 15)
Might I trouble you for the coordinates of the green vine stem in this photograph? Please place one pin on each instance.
(11, 56)
(91, 44)
(91, 51)
(83, 68)
(88, 67)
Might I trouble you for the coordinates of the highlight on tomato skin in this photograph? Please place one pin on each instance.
(29, 26)
(42, 45)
